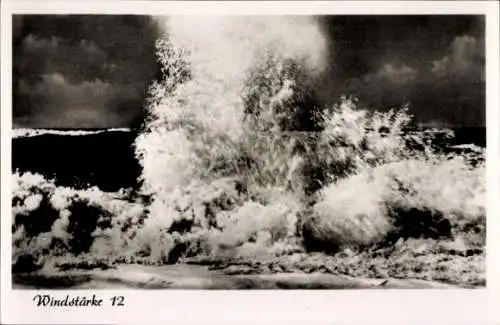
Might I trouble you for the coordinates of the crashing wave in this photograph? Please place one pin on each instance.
(26, 133)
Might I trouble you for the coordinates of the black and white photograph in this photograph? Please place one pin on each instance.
(246, 152)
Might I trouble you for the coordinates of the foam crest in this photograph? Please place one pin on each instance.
(228, 45)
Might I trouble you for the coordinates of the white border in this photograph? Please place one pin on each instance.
(266, 307)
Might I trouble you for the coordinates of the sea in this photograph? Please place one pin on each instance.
(106, 158)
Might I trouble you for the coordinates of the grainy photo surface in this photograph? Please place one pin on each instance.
(248, 152)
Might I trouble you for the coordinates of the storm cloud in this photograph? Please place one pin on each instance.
(82, 71)
(93, 71)
(434, 63)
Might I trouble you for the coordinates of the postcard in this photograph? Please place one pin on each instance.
(250, 162)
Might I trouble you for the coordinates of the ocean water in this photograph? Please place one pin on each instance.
(106, 158)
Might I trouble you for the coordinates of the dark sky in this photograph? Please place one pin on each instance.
(93, 71)
(81, 71)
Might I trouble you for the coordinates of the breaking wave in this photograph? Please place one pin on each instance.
(26, 133)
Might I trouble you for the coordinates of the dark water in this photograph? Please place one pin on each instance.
(474, 135)
(107, 159)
